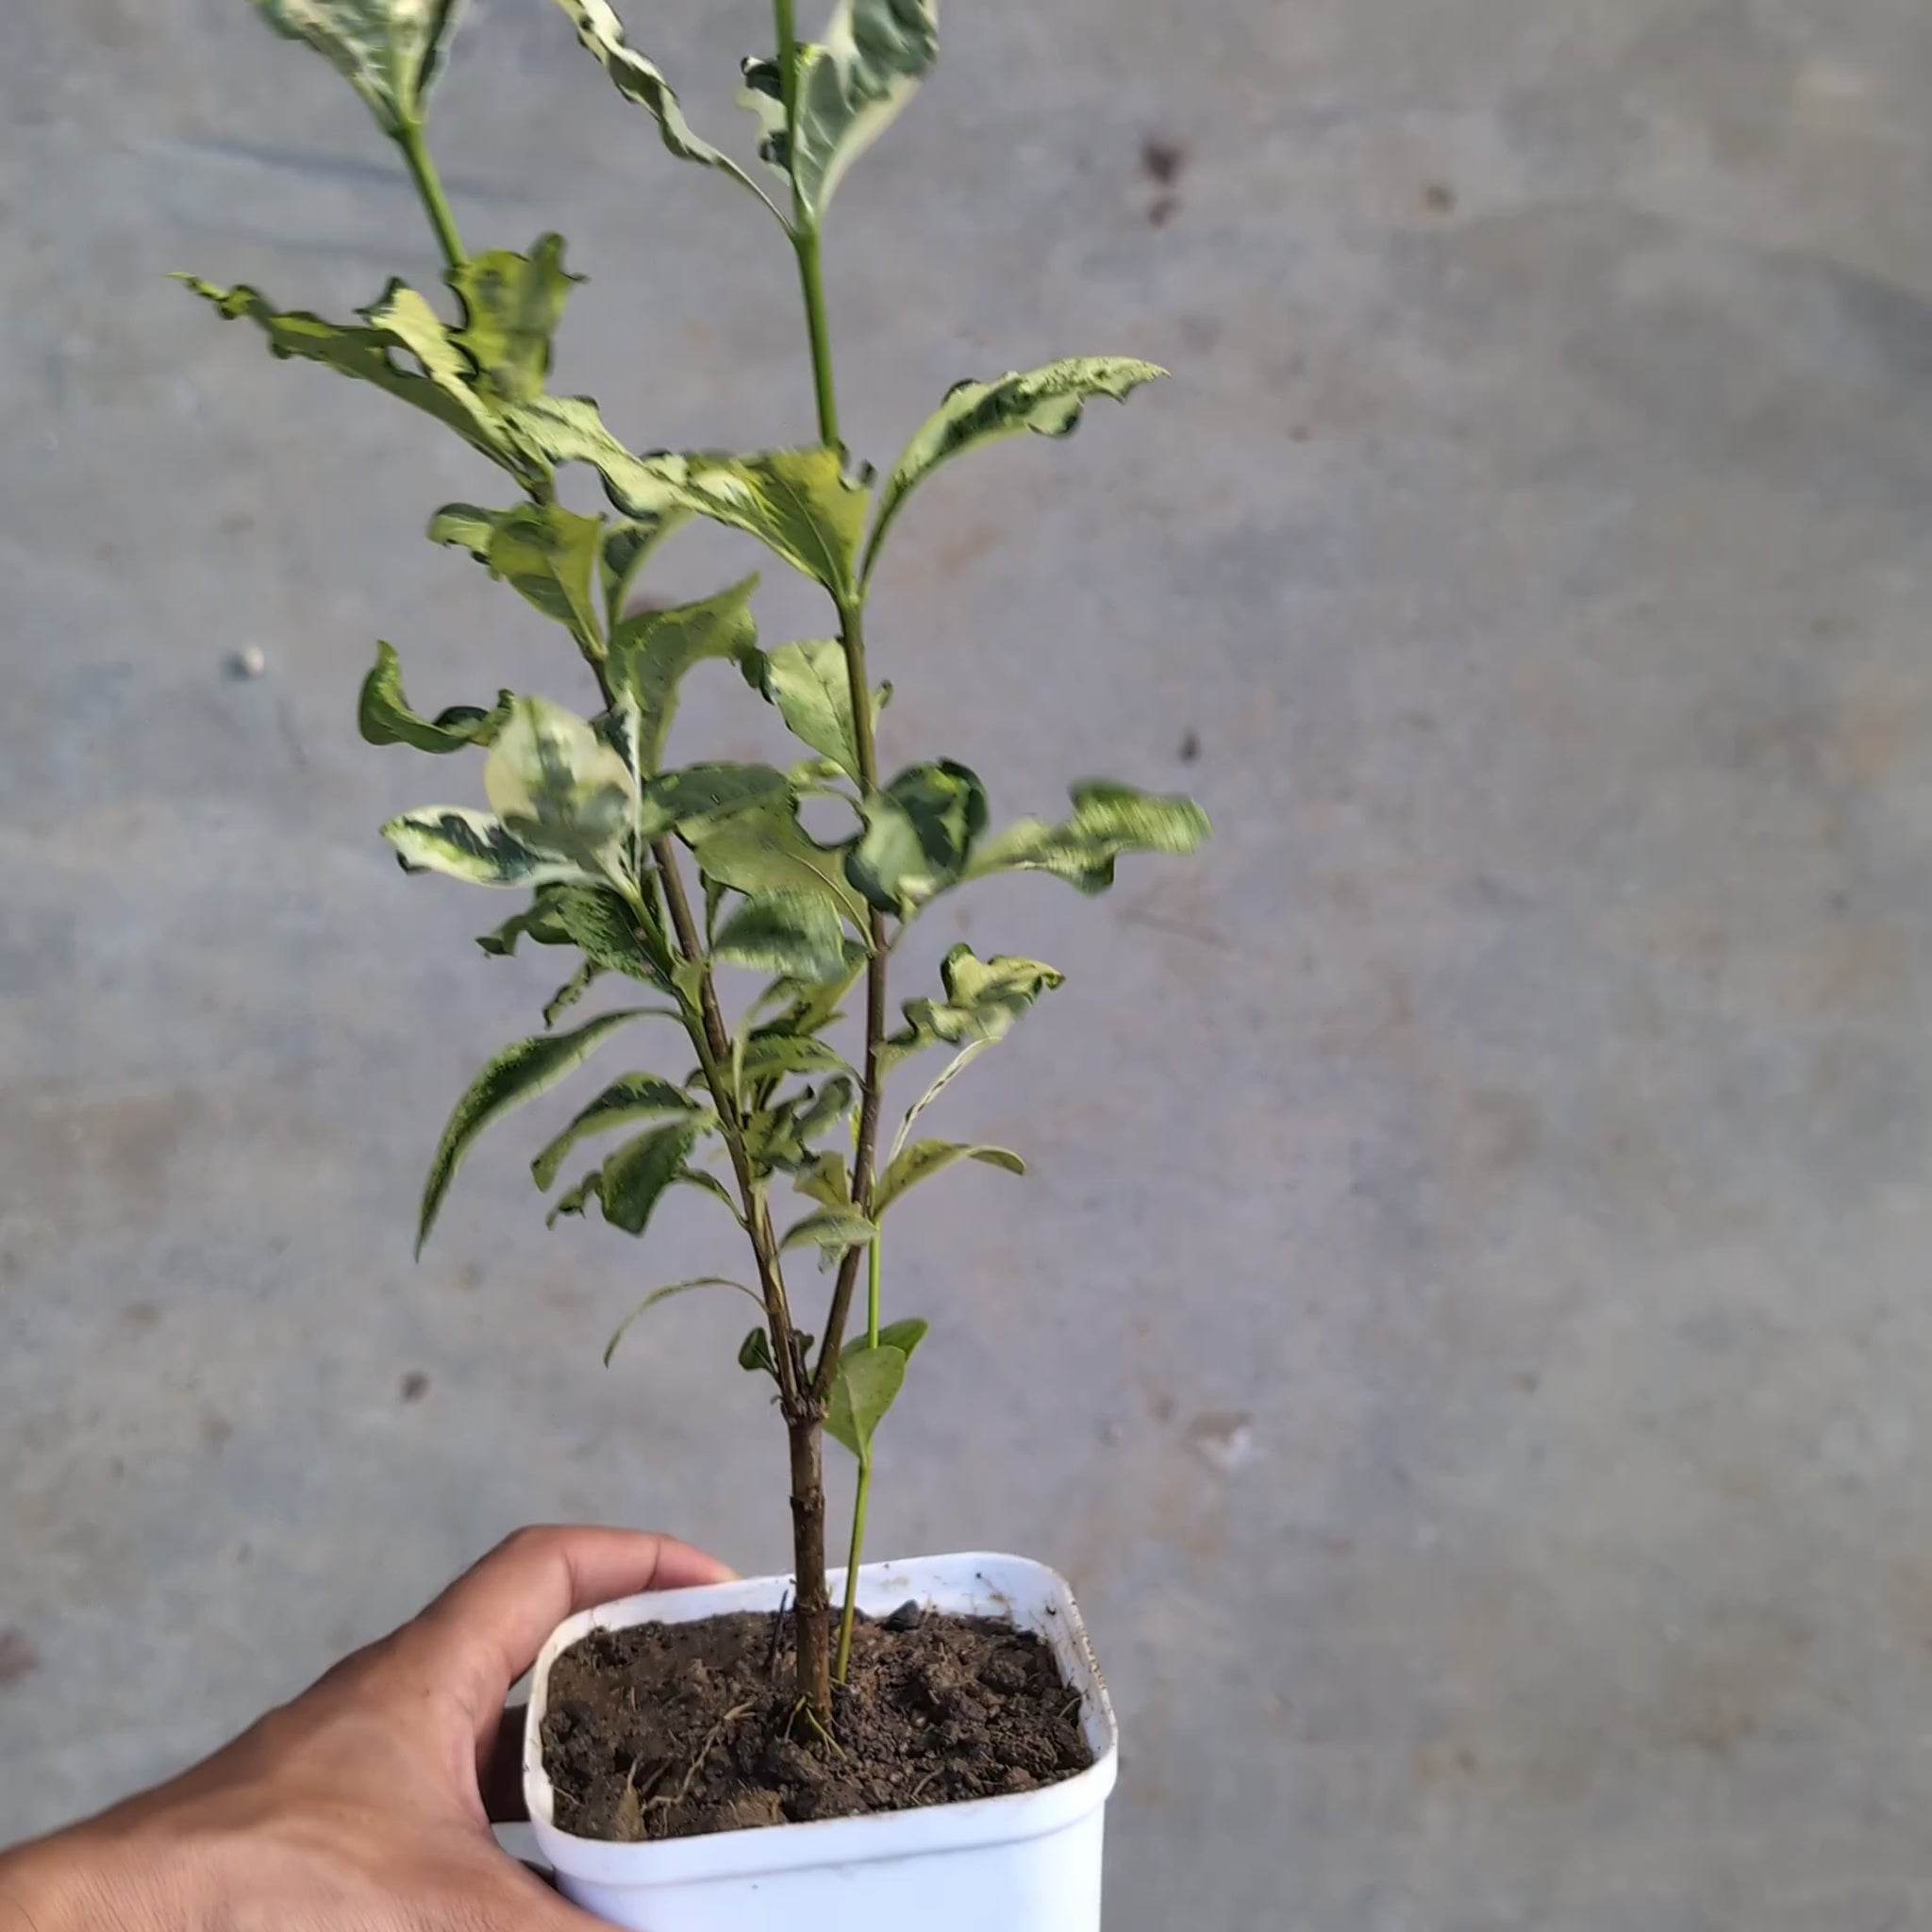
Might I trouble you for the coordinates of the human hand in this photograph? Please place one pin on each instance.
(365, 1806)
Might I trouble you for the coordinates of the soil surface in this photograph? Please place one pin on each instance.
(673, 1730)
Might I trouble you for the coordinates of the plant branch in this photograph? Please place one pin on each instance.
(852, 635)
(408, 137)
(842, 1662)
(714, 1051)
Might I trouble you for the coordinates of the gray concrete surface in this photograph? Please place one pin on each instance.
(1467, 1333)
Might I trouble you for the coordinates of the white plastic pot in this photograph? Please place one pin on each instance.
(1028, 1862)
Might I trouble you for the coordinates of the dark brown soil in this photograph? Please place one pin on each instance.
(671, 1730)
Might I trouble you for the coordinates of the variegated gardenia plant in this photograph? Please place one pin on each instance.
(605, 836)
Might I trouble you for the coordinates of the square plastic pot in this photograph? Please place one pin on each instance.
(1026, 1862)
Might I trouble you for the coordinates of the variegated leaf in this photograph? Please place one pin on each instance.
(797, 501)
(1107, 819)
(558, 787)
(810, 684)
(1047, 401)
(474, 846)
(696, 796)
(764, 849)
(511, 305)
(770, 1056)
(550, 555)
(639, 80)
(651, 652)
(983, 999)
(608, 929)
(389, 50)
(634, 1180)
(629, 542)
(925, 1159)
(401, 322)
(635, 1097)
(919, 834)
(832, 1229)
(518, 1073)
(537, 922)
(384, 717)
(851, 87)
(571, 992)
(664, 1294)
(799, 934)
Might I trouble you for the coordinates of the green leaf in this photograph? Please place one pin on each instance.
(798, 934)
(391, 51)
(635, 1097)
(638, 79)
(695, 797)
(471, 845)
(518, 1073)
(611, 932)
(567, 430)
(797, 502)
(763, 849)
(925, 1159)
(904, 1336)
(557, 787)
(709, 1184)
(571, 992)
(951, 1072)
(778, 1138)
(1047, 401)
(664, 1294)
(550, 555)
(755, 1353)
(384, 715)
(866, 1386)
(402, 322)
(919, 834)
(651, 652)
(628, 542)
(1107, 819)
(809, 685)
(832, 1230)
(824, 1180)
(983, 999)
(511, 305)
(769, 1056)
(537, 922)
(635, 1177)
(852, 89)
(574, 1200)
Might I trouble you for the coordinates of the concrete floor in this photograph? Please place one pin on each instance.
(1467, 1331)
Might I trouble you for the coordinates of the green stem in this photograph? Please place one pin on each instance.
(408, 137)
(842, 1663)
(804, 244)
(805, 240)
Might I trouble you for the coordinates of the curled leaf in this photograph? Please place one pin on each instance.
(518, 1073)
(633, 1097)
(983, 999)
(639, 80)
(919, 834)
(390, 51)
(474, 846)
(1107, 819)
(925, 1159)
(384, 717)
(1048, 401)
(664, 1294)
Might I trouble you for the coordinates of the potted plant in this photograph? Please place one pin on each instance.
(736, 1758)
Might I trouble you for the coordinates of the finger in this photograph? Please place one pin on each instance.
(500, 1770)
(485, 1630)
(532, 1905)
